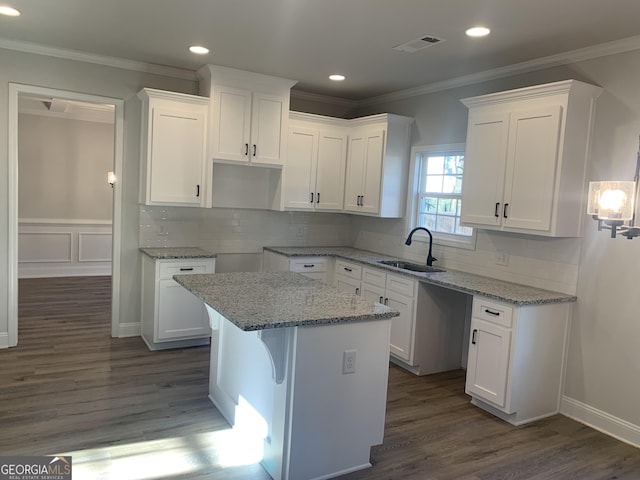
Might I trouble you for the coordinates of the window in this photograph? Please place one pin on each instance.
(437, 194)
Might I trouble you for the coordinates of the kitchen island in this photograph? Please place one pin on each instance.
(298, 365)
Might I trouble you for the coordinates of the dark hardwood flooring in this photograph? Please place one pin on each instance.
(124, 412)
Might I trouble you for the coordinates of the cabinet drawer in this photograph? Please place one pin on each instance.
(402, 285)
(373, 276)
(493, 312)
(348, 269)
(309, 264)
(187, 267)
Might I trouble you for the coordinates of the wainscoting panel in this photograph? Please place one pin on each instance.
(63, 248)
(36, 247)
(94, 247)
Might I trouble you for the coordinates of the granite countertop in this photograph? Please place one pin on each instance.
(470, 283)
(260, 300)
(160, 253)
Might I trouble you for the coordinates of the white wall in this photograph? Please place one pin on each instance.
(63, 165)
(601, 386)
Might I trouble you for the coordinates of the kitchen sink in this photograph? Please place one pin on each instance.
(413, 267)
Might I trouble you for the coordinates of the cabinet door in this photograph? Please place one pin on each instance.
(266, 129)
(484, 167)
(299, 173)
(372, 177)
(347, 284)
(532, 156)
(231, 124)
(177, 154)
(373, 293)
(180, 313)
(402, 327)
(332, 153)
(488, 364)
(355, 171)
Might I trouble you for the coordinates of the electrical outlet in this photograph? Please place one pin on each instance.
(348, 361)
(502, 258)
(300, 231)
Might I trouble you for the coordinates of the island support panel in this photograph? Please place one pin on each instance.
(316, 422)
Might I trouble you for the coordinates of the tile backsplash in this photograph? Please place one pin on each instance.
(233, 231)
(550, 263)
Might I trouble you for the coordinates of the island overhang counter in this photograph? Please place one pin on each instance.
(300, 365)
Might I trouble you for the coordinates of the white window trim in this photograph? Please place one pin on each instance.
(439, 238)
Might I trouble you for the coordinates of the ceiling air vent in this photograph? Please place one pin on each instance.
(418, 44)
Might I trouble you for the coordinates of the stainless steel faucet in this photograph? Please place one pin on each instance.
(430, 258)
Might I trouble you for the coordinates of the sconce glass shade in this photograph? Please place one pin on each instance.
(611, 200)
(111, 178)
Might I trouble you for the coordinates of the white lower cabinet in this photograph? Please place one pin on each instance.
(427, 336)
(312, 267)
(516, 358)
(398, 293)
(172, 317)
(347, 276)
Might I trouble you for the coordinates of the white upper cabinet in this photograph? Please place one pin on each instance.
(173, 148)
(249, 115)
(526, 159)
(377, 165)
(315, 167)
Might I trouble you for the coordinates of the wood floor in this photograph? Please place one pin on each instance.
(126, 413)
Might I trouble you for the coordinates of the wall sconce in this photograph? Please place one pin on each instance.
(111, 178)
(612, 203)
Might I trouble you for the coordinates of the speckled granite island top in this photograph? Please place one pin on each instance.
(470, 283)
(161, 253)
(259, 301)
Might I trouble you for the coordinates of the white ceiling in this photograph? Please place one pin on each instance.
(306, 40)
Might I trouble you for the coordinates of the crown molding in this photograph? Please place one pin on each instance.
(565, 58)
(116, 62)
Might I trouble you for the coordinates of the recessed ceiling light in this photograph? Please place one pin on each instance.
(198, 49)
(336, 77)
(478, 32)
(8, 11)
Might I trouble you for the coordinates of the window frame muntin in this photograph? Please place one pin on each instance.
(413, 197)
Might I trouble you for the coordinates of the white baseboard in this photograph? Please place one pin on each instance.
(4, 340)
(35, 270)
(604, 422)
(129, 329)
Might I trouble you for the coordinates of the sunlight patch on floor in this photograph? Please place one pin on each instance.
(167, 458)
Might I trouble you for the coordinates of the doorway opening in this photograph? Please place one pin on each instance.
(68, 239)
